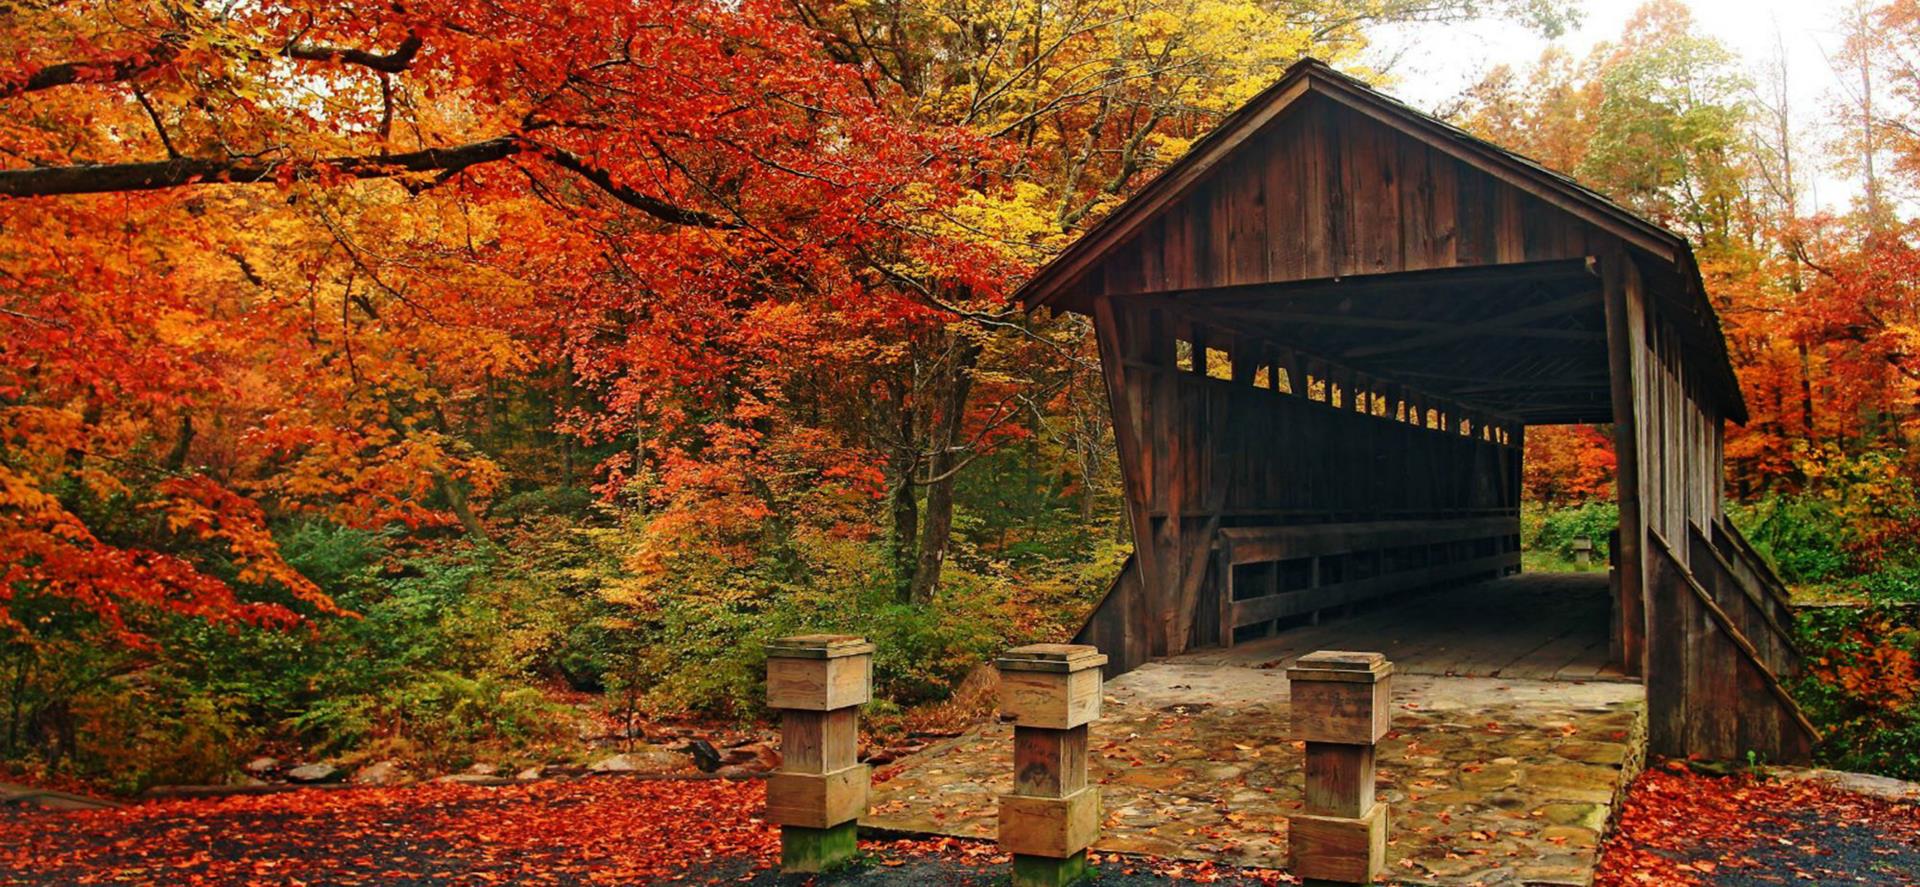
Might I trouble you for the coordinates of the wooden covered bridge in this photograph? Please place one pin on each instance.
(1324, 332)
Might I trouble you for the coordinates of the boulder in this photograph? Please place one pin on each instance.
(308, 774)
(704, 755)
(379, 773)
(484, 770)
(470, 779)
(262, 766)
(530, 773)
(644, 759)
(754, 756)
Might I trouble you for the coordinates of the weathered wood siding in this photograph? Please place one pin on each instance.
(1324, 191)
(1200, 452)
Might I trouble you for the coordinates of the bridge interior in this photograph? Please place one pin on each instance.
(1535, 626)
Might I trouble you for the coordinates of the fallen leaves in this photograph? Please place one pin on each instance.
(1682, 827)
(607, 830)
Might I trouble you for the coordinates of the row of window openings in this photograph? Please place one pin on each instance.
(1219, 365)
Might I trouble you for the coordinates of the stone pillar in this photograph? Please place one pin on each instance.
(1340, 709)
(818, 683)
(1051, 692)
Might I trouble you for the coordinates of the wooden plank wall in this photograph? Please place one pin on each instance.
(1202, 451)
(1714, 648)
(1325, 191)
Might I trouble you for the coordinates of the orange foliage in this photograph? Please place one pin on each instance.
(683, 210)
(1568, 463)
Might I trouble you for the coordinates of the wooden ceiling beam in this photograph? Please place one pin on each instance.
(1506, 324)
(1304, 318)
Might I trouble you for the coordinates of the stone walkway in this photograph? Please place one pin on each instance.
(1488, 781)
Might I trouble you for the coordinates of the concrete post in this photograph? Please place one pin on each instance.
(818, 683)
(1340, 709)
(1051, 692)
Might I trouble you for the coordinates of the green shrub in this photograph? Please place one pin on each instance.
(1805, 537)
(1553, 529)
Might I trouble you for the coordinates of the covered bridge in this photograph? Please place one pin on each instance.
(1324, 333)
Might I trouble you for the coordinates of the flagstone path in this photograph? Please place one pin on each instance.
(1488, 781)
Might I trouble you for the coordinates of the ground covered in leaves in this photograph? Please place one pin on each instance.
(610, 830)
(1678, 827)
(1683, 827)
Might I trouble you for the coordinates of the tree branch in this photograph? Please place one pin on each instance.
(390, 62)
(105, 71)
(645, 203)
(102, 178)
(99, 178)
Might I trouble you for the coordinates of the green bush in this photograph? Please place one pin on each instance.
(1804, 537)
(1552, 529)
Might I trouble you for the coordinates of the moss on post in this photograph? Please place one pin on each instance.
(814, 850)
(1049, 871)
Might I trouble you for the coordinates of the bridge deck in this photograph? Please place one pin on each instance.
(1534, 626)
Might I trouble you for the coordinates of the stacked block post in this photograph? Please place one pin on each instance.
(818, 683)
(1340, 709)
(1050, 692)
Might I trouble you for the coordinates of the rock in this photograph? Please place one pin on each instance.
(704, 755)
(378, 773)
(308, 774)
(645, 759)
(483, 770)
(530, 773)
(1588, 816)
(469, 779)
(755, 756)
(261, 766)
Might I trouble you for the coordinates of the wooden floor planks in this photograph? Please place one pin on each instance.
(1534, 626)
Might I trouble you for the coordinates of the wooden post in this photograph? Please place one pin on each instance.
(1340, 709)
(1051, 692)
(1623, 299)
(818, 682)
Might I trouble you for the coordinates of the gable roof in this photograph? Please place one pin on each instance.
(1313, 77)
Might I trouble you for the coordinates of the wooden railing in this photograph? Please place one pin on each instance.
(1710, 691)
(1765, 621)
(1268, 574)
(1754, 568)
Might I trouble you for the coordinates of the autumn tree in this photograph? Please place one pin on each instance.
(281, 256)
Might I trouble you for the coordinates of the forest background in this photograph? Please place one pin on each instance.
(398, 380)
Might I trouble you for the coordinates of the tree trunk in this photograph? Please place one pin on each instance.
(903, 505)
(942, 467)
(906, 533)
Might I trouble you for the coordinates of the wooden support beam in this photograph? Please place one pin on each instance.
(1620, 288)
(1504, 325)
(1051, 692)
(818, 682)
(1341, 708)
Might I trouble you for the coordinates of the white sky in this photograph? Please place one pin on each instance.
(1430, 65)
